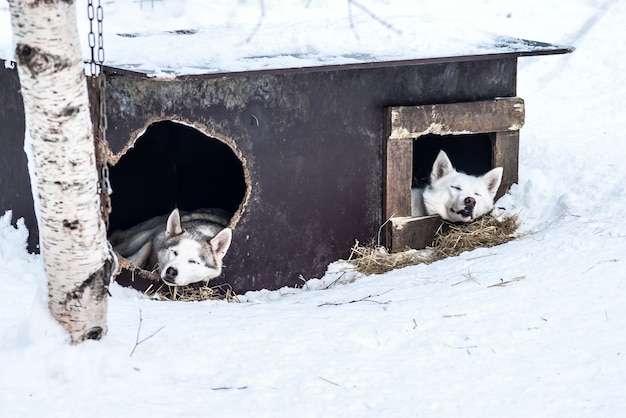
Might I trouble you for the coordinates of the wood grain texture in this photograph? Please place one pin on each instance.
(503, 114)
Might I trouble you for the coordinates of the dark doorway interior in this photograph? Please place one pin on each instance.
(470, 154)
(174, 165)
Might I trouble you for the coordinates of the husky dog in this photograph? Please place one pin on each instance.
(455, 196)
(184, 249)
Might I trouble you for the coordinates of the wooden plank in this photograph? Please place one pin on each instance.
(417, 233)
(498, 115)
(505, 154)
(398, 174)
(412, 232)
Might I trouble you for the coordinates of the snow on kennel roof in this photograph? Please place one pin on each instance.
(307, 46)
(199, 43)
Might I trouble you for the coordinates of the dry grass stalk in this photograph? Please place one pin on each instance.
(450, 240)
(504, 283)
(193, 293)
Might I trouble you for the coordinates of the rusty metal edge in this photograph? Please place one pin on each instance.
(355, 66)
(557, 50)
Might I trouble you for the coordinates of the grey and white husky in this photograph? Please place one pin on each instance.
(455, 196)
(184, 248)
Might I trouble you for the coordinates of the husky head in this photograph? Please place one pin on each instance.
(459, 197)
(194, 255)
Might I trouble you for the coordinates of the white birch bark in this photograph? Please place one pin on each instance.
(62, 164)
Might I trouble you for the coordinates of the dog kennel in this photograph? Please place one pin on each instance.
(307, 159)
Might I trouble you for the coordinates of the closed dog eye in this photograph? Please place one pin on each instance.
(193, 262)
(456, 188)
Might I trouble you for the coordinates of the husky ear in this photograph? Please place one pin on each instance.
(492, 179)
(173, 227)
(441, 167)
(221, 242)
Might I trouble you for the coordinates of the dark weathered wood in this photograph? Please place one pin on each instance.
(398, 175)
(505, 152)
(397, 186)
(416, 233)
(15, 190)
(502, 114)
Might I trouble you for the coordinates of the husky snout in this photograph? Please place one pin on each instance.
(468, 209)
(170, 275)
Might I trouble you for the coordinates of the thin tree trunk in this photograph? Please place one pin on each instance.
(60, 146)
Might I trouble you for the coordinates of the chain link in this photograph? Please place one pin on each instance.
(106, 183)
(91, 14)
(95, 65)
(99, 18)
(97, 60)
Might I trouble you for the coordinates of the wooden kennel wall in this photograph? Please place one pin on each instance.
(311, 159)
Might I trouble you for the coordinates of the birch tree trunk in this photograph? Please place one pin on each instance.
(60, 146)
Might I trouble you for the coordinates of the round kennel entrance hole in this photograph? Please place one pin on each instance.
(174, 165)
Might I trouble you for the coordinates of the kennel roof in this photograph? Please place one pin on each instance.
(221, 48)
(277, 48)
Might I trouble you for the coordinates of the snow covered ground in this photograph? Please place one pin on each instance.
(428, 341)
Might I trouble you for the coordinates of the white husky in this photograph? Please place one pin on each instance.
(455, 196)
(185, 249)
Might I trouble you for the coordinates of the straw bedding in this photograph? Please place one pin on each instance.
(450, 240)
(192, 293)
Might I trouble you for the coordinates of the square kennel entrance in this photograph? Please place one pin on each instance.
(477, 136)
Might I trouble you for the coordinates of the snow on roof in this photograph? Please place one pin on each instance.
(167, 43)
(216, 50)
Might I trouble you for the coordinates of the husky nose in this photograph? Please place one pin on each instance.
(470, 202)
(170, 274)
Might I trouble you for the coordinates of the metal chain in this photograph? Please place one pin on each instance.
(97, 60)
(95, 64)
(91, 14)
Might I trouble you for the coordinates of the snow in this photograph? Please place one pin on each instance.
(278, 35)
(434, 341)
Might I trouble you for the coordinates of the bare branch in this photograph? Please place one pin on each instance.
(371, 14)
(334, 282)
(328, 381)
(230, 388)
(363, 299)
(137, 340)
(259, 23)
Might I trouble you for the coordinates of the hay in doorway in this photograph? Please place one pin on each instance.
(376, 259)
(485, 232)
(450, 240)
(195, 292)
